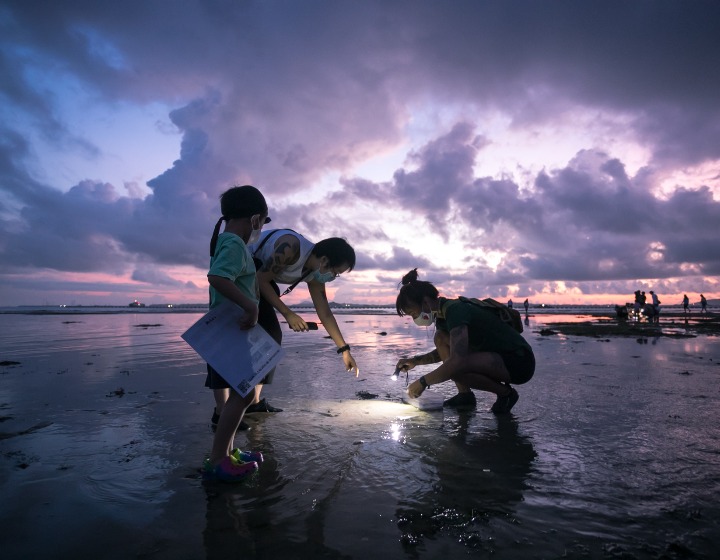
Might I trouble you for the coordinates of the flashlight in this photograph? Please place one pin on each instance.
(396, 374)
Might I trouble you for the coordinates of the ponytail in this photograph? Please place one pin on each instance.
(216, 232)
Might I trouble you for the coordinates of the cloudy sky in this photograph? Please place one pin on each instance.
(562, 151)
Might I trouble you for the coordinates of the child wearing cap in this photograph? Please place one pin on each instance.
(232, 276)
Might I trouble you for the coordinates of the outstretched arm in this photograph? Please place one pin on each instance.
(325, 314)
(457, 362)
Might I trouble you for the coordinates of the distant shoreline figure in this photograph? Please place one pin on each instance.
(703, 304)
(636, 303)
(685, 303)
(656, 306)
(510, 303)
(526, 304)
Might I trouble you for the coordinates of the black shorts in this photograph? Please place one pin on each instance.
(521, 365)
(214, 380)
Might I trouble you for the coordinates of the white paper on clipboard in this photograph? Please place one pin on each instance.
(241, 357)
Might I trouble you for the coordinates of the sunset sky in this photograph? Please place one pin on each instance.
(567, 152)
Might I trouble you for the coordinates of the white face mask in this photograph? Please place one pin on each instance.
(254, 235)
(424, 319)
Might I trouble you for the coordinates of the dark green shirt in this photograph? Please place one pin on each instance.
(486, 332)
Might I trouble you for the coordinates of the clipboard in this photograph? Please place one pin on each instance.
(241, 357)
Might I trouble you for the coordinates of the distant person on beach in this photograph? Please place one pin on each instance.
(477, 349)
(655, 300)
(655, 305)
(510, 304)
(703, 304)
(636, 303)
(232, 276)
(526, 304)
(685, 303)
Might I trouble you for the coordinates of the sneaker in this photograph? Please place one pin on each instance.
(228, 470)
(503, 405)
(262, 406)
(241, 456)
(462, 400)
(216, 418)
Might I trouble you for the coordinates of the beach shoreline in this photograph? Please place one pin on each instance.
(612, 449)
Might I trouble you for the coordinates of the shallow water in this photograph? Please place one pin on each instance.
(613, 450)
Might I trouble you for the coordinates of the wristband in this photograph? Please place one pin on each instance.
(423, 382)
(343, 348)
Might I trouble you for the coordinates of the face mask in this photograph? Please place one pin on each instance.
(254, 235)
(325, 277)
(424, 319)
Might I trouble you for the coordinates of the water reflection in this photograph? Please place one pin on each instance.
(258, 519)
(480, 475)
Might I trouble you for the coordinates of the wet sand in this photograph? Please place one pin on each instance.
(613, 450)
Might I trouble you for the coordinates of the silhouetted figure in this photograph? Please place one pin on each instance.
(510, 303)
(703, 304)
(686, 303)
(650, 312)
(656, 306)
(636, 303)
(526, 304)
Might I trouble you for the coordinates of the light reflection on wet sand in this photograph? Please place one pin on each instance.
(612, 449)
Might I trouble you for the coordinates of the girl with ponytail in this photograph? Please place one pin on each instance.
(232, 276)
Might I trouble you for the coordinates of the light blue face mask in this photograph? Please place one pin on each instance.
(324, 277)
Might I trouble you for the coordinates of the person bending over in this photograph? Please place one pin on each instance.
(286, 257)
(477, 349)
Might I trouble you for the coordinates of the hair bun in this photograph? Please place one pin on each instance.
(410, 277)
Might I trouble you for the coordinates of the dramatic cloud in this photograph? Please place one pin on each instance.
(564, 150)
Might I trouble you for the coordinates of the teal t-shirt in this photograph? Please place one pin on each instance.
(232, 260)
(486, 332)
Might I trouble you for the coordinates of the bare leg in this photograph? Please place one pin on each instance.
(230, 417)
(442, 343)
(264, 406)
(488, 373)
(221, 397)
(256, 398)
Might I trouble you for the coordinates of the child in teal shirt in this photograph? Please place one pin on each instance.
(232, 276)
